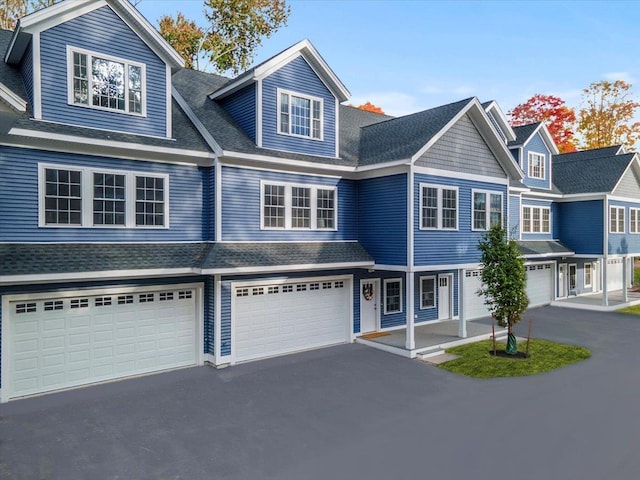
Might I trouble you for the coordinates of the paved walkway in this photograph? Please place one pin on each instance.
(349, 412)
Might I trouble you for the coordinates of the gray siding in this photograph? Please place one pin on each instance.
(462, 149)
(100, 31)
(629, 185)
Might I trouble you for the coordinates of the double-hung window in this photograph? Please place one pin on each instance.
(634, 220)
(105, 82)
(299, 115)
(427, 292)
(616, 219)
(93, 197)
(392, 296)
(300, 207)
(536, 163)
(536, 219)
(438, 207)
(487, 209)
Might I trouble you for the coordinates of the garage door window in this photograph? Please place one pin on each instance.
(392, 296)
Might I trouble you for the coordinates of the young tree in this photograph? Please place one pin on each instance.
(184, 36)
(606, 114)
(552, 110)
(504, 281)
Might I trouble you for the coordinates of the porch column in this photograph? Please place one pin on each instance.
(605, 290)
(625, 279)
(462, 322)
(411, 342)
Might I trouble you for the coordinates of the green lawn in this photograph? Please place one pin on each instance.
(544, 356)
(634, 310)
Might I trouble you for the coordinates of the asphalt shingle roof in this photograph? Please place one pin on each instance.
(523, 133)
(587, 154)
(9, 75)
(590, 175)
(60, 258)
(351, 122)
(401, 138)
(543, 247)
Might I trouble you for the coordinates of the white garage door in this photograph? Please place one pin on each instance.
(614, 274)
(62, 342)
(539, 284)
(274, 319)
(474, 306)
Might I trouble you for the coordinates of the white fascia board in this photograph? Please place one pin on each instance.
(100, 275)
(518, 189)
(542, 195)
(576, 197)
(380, 166)
(226, 154)
(501, 118)
(13, 100)
(461, 175)
(547, 255)
(546, 138)
(285, 268)
(58, 13)
(634, 161)
(439, 268)
(202, 130)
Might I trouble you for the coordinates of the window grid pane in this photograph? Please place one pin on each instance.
(80, 79)
(300, 207)
(427, 299)
(546, 224)
(449, 209)
(63, 197)
(300, 116)
(479, 211)
(274, 206)
(392, 297)
(429, 207)
(526, 219)
(107, 83)
(325, 209)
(135, 89)
(536, 219)
(284, 113)
(149, 201)
(108, 199)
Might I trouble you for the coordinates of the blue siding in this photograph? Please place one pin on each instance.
(242, 108)
(581, 226)
(100, 31)
(624, 243)
(22, 289)
(209, 204)
(19, 199)
(552, 220)
(430, 314)
(241, 206)
(515, 152)
(537, 145)
(514, 216)
(26, 69)
(382, 217)
(442, 247)
(297, 76)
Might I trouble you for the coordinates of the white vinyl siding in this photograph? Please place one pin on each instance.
(486, 209)
(298, 207)
(536, 162)
(536, 219)
(438, 207)
(616, 220)
(96, 197)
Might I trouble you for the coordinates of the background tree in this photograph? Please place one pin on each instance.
(606, 114)
(504, 281)
(552, 110)
(184, 36)
(370, 107)
(12, 10)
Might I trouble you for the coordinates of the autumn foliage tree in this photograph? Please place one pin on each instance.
(184, 36)
(370, 107)
(553, 111)
(12, 10)
(606, 114)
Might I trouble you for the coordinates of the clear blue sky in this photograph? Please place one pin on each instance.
(406, 56)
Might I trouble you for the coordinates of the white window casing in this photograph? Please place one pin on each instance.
(392, 295)
(427, 292)
(486, 205)
(536, 219)
(588, 273)
(439, 207)
(634, 220)
(300, 115)
(616, 219)
(536, 164)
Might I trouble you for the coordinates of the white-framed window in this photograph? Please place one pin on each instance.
(536, 162)
(587, 275)
(536, 219)
(486, 209)
(392, 295)
(634, 220)
(300, 115)
(427, 292)
(94, 197)
(105, 82)
(438, 207)
(298, 207)
(616, 219)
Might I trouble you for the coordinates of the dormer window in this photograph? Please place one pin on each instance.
(106, 83)
(299, 115)
(536, 165)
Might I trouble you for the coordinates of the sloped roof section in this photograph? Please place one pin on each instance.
(352, 120)
(9, 75)
(588, 154)
(523, 133)
(589, 175)
(543, 248)
(400, 138)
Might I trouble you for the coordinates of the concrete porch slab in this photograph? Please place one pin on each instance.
(594, 301)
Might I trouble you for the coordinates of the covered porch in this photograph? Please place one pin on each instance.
(613, 300)
(430, 339)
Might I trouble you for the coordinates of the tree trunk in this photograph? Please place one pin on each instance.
(512, 345)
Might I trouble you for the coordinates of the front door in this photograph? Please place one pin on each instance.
(562, 280)
(369, 301)
(444, 296)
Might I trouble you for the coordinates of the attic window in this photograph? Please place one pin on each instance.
(106, 83)
(536, 165)
(299, 115)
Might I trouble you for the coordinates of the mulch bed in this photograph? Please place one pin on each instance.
(503, 354)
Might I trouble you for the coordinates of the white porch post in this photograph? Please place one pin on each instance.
(625, 279)
(411, 342)
(605, 289)
(462, 322)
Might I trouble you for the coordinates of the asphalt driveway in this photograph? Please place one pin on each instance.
(347, 412)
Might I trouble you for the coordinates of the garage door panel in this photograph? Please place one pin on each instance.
(539, 284)
(474, 306)
(69, 342)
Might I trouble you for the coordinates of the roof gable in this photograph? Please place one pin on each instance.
(525, 133)
(69, 9)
